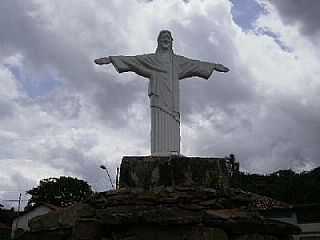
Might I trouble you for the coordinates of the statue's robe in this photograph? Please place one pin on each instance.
(164, 72)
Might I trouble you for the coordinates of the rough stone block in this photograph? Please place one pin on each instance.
(86, 229)
(150, 172)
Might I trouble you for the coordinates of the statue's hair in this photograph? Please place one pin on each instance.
(164, 31)
(160, 33)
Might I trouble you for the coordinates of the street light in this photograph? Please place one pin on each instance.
(104, 168)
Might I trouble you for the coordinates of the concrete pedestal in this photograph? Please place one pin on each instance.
(172, 198)
(151, 173)
(179, 214)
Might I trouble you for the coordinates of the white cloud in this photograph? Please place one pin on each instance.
(264, 110)
(9, 88)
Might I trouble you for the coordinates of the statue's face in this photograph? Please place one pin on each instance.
(165, 41)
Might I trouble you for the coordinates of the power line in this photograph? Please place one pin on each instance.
(13, 200)
(19, 190)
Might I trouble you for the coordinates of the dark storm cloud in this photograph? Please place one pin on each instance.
(223, 89)
(235, 124)
(6, 109)
(74, 160)
(304, 13)
(62, 105)
(280, 133)
(41, 47)
(281, 139)
(10, 190)
(22, 181)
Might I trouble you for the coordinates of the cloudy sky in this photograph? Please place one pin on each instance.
(62, 115)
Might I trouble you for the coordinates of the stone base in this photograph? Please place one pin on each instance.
(180, 214)
(156, 172)
(172, 198)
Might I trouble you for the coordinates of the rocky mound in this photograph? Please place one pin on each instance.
(180, 213)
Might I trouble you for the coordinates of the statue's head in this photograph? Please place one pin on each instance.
(164, 41)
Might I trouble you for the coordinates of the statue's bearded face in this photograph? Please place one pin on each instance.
(165, 41)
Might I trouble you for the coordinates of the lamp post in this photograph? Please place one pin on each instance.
(105, 169)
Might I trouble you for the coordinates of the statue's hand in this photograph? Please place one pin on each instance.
(101, 61)
(221, 68)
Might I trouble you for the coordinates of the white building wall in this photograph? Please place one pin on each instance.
(22, 221)
(309, 230)
(292, 219)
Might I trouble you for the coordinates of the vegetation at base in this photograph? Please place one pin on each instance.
(283, 185)
(61, 192)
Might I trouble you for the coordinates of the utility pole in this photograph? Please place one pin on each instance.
(117, 178)
(104, 168)
(18, 213)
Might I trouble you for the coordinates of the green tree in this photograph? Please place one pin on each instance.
(283, 185)
(61, 192)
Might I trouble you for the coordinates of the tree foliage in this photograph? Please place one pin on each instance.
(61, 192)
(283, 185)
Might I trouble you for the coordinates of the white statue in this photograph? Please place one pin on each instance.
(164, 69)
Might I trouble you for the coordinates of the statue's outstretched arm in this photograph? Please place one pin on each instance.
(195, 68)
(221, 68)
(102, 61)
(140, 64)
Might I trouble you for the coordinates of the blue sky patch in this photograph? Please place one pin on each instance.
(36, 84)
(246, 12)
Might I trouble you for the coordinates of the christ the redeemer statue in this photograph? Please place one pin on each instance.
(164, 69)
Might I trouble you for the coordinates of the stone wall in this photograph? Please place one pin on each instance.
(179, 214)
(171, 198)
(149, 173)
